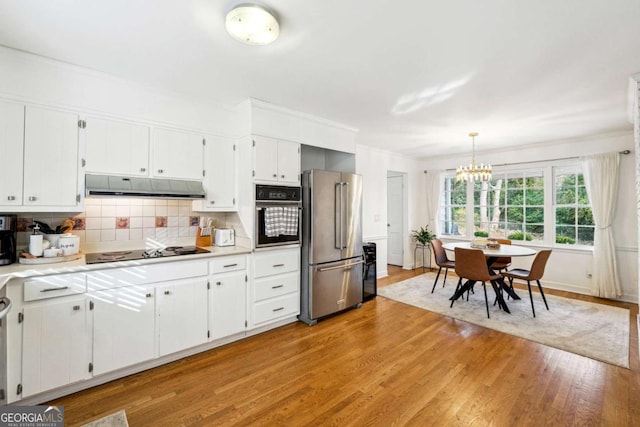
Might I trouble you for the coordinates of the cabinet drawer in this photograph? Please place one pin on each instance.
(228, 263)
(276, 262)
(58, 285)
(277, 307)
(143, 274)
(275, 286)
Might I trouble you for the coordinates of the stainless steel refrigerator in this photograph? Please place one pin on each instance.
(332, 261)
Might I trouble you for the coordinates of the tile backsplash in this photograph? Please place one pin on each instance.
(106, 221)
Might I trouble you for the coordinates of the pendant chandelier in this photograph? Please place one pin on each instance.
(473, 172)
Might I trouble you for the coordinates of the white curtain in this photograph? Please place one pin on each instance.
(601, 180)
(433, 190)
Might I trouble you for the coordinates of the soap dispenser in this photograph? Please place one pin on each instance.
(35, 242)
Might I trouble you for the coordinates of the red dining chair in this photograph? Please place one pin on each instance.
(471, 264)
(442, 261)
(535, 273)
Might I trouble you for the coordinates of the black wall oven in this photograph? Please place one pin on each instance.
(278, 215)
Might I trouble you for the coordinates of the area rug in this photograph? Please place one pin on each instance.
(118, 419)
(596, 331)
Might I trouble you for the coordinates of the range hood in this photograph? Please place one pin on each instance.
(158, 188)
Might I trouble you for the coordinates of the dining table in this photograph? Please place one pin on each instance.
(491, 255)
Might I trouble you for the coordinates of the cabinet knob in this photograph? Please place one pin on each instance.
(11, 198)
(160, 170)
(167, 292)
(282, 176)
(212, 202)
(76, 308)
(218, 283)
(143, 169)
(275, 175)
(32, 198)
(149, 295)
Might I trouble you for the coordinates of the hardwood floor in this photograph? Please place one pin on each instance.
(383, 364)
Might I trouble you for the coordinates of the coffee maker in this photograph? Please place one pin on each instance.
(8, 235)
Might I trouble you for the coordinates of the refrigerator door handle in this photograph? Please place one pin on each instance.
(347, 204)
(338, 216)
(340, 266)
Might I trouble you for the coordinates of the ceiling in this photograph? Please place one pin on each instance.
(413, 76)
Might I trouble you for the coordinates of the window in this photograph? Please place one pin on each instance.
(510, 206)
(542, 204)
(453, 214)
(573, 216)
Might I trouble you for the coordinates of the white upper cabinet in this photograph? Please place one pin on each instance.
(276, 161)
(177, 154)
(289, 162)
(51, 161)
(114, 147)
(11, 150)
(220, 165)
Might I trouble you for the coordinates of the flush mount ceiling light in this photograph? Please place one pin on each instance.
(252, 24)
(473, 172)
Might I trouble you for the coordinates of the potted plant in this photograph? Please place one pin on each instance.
(423, 236)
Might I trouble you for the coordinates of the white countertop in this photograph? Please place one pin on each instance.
(17, 270)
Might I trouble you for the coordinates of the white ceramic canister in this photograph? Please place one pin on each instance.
(69, 243)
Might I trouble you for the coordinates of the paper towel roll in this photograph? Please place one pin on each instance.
(35, 244)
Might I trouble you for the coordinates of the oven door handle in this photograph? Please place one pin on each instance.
(6, 302)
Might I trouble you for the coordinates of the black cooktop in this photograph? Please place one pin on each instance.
(133, 254)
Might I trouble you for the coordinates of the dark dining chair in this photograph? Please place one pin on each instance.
(442, 261)
(471, 264)
(503, 262)
(535, 273)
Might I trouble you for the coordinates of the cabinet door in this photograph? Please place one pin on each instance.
(55, 344)
(265, 155)
(123, 327)
(117, 148)
(289, 162)
(177, 154)
(220, 174)
(11, 150)
(181, 315)
(50, 158)
(228, 304)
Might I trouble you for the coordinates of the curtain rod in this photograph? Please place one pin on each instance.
(537, 161)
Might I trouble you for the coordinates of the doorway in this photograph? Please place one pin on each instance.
(395, 217)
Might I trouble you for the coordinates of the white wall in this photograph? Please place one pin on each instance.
(568, 268)
(373, 164)
(33, 79)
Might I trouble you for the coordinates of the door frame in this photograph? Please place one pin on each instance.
(403, 213)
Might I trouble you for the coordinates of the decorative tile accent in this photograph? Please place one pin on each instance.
(79, 223)
(194, 221)
(161, 221)
(122, 222)
(24, 223)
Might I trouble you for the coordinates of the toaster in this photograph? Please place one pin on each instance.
(224, 237)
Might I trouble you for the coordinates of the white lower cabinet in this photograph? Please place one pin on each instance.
(276, 287)
(228, 296)
(56, 344)
(181, 315)
(69, 328)
(123, 327)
